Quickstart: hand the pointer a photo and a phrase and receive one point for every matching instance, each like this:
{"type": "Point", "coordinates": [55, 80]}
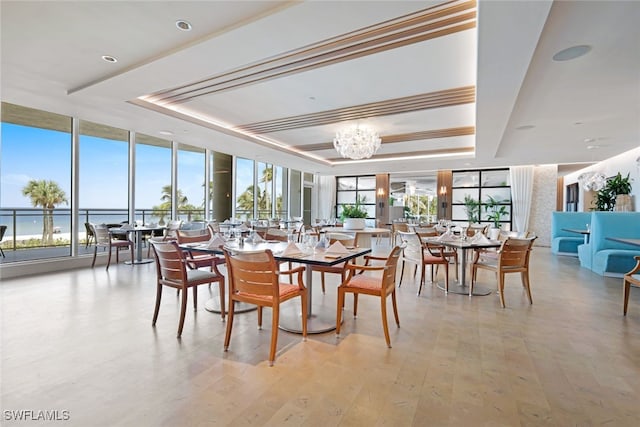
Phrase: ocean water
{"type": "Point", "coordinates": [30, 222]}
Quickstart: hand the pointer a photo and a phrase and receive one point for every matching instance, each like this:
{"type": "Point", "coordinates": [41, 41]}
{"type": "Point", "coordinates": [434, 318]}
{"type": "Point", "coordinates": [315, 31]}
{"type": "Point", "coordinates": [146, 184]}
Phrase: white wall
{"type": "Point", "coordinates": [624, 163]}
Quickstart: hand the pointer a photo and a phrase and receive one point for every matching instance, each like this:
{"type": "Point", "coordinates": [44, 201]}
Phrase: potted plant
{"type": "Point", "coordinates": [614, 195]}
{"type": "Point", "coordinates": [495, 211]}
{"type": "Point", "coordinates": [353, 216]}
{"type": "Point", "coordinates": [472, 209]}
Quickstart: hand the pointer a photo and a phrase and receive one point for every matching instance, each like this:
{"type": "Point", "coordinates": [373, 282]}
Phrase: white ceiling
{"type": "Point", "coordinates": [51, 60]}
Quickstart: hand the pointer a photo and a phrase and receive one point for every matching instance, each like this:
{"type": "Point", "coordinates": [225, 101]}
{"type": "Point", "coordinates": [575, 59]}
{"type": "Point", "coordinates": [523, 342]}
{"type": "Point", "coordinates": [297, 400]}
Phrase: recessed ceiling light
{"type": "Point", "coordinates": [592, 147]}
{"type": "Point", "coordinates": [109, 58]}
{"type": "Point", "coordinates": [183, 25]}
{"type": "Point", "coordinates": [525, 127]}
{"type": "Point", "coordinates": [589, 139]}
{"type": "Point", "coordinates": [165, 132]}
{"type": "Point", "coordinates": [572, 52]}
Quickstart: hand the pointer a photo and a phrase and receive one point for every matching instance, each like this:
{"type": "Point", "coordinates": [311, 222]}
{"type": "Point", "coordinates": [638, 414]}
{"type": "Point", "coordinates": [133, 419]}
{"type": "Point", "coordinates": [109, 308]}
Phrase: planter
{"type": "Point", "coordinates": [353, 223]}
{"type": "Point", "coordinates": [493, 233]}
{"type": "Point", "coordinates": [623, 203]}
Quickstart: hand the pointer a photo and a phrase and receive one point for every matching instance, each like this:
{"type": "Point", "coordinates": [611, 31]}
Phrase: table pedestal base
{"type": "Point", "coordinates": [139, 261]}
{"type": "Point", "coordinates": [464, 289]}
{"type": "Point", "coordinates": [213, 305]}
{"type": "Point", "coordinates": [316, 323]}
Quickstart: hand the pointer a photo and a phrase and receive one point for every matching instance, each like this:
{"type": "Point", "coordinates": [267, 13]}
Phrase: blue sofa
{"type": "Point", "coordinates": [606, 257]}
{"type": "Point", "coordinates": [566, 242]}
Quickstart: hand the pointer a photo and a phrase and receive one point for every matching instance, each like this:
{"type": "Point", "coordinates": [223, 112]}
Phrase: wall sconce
{"type": "Point", "coordinates": [443, 195]}
{"type": "Point", "coordinates": [381, 198]}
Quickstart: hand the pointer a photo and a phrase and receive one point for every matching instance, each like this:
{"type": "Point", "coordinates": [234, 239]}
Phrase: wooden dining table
{"type": "Point", "coordinates": [464, 246]}
{"type": "Point", "coordinates": [318, 321]}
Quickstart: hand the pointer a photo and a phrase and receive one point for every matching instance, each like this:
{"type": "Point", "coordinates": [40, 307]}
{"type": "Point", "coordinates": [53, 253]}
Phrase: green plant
{"type": "Point", "coordinates": [606, 197]}
{"type": "Point", "coordinates": [472, 209]}
{"type": "Point", "coordinates": [495, 210]}
{"type": "Point", "coordinates": [354, 211]}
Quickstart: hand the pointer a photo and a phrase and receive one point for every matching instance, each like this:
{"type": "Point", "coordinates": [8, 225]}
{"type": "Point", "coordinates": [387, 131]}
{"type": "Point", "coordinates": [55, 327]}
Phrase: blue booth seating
{"type": "Point", "coordinates": [606, 257]}
{"type": "Point", "coordinates": [566, 242]}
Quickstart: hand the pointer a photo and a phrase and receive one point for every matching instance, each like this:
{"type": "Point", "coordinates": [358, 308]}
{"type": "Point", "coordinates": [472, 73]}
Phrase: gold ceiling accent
{"type": "Point", "coordinates": [405, 137]}
{"type": "Point", "coordinates": [437, 21]}
{"type": "Point", "coordinates": [438, 152]}
{"type": "Point", "coordinates": [443, 98]}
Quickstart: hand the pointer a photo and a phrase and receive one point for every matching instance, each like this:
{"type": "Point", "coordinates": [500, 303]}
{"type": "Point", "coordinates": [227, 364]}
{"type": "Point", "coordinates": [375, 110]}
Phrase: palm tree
{"type": "Point", "coordinates": [264, 202]}
{"type": "Point", "coordinates": [47, 194]}
{"type": "Point", "coordinates": [161, 210]}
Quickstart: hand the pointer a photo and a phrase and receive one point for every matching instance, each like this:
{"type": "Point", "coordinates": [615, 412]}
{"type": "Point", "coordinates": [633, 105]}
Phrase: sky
{"type": "Point", "coordinates": [33, 153]}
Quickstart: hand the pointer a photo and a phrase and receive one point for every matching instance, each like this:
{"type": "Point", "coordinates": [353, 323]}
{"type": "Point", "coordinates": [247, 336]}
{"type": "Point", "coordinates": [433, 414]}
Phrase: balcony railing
{"type": "Point", "coordinates": [23, 237]}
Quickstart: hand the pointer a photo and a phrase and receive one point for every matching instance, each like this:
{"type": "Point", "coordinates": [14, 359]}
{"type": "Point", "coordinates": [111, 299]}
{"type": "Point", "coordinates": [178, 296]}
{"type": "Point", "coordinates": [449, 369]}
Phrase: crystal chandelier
{"type": "Point", "coordinates": [356, 142]}
{"type": "Point", "coordinates": [592, 181]}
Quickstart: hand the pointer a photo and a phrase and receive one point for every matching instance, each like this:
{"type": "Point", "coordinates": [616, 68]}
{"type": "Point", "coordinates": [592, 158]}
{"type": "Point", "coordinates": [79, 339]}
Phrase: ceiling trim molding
{"type": "Point", "coordinates": [430, 23]}
{"type": "Point", "coordinates": [405, 137]}
{"type": "Point", "coordinates": [407, 104]}
{"type": "Point", "coordinates": [441, 152]}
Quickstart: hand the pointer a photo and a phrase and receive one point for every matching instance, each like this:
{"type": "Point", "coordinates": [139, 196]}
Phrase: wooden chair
{"type": "Point", "coordinates": [370, 285]}
{"type": "Point", "coordinates": [254, 278]}
{"type": "Point", "coordinates": [398, 227]}
{"type": "Point", "coordinates": [346, 240]}
{"type": "Point", "coordinates": [171, 269]}
{"type": "Point", "coordinates": [421, 254]}
{"type": "Point", "coordinates": [512, 257]}
{"type": "Point", "coordinates": [3, 229]}
{"type": "Point", "coordinates": [632, 277]}
{"type": "Point", "coordinates": [104, 239]}
{"type": "Point", "coordinates": [90, 238]}
{"type": "Point", "coordinates": [198, 259]}
{"type": "Point", "coordinates": [169, 234]}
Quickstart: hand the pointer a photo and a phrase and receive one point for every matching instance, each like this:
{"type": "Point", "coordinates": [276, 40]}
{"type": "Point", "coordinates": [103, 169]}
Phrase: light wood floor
{"type": "Point", "coordinates": [82, 341]}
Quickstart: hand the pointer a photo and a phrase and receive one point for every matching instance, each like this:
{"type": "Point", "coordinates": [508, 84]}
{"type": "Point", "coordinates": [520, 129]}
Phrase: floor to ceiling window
{"type": "Point", "coordinates": [264, 190]}
{"type": "Point", "coordinates": [191, 183]}
{"type": "Point", "coordinates": [153, 179]}
{"type": "Point", "coordinates": [35, 180]}
{"type": "Point", "coordinates": [245, 188]}
{"type": "Point", "coordinates": [280, 191]}
{"type": "Point", "coordinates": [103, 174]}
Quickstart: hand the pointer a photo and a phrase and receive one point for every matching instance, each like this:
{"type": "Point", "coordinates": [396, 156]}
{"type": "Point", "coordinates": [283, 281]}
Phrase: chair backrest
{"type": "Point", "coordinates": [172, 227]}
{"type": "Point", "coordinates": [170, 265]}
{"type": "Point", "coordinates": [427, 231]}
{"type": "Point", "coordinates": [101, 232]}
{"type": "Point", "coordinates": [412, 251]}
{"type": "Point", "coordinates": [514, 252]}
{"type": "Point", "coordinates": [87, 228]}
{"type": "Point", "coordinates": [276, 234]}
{"type": "Point", "coordinates": [253, 272]}
{"type": "Point", "coordinates": [389, 274]}
{"type": "Point", "coordinates": [400, 227]}
{"type": "Point", "coordinates": [345, 239]}
{"type": "Point", "coordinates": [193, 236]}
{"type": "Point", "coordinates": [3, 229]}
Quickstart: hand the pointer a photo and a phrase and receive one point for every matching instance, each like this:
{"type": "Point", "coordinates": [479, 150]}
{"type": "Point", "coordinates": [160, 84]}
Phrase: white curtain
{"type": "Point", "coordinates": [521, 189]}
{"type": "Point", "coordinates": [326, 196]}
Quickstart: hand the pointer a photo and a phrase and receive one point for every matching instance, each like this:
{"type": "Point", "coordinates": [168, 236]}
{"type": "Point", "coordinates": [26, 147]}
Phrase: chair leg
{"type": "Point", "coordinates": [525, 282]}
{"type": "Point", "coordinates": [227, 335]}
{"type": "Point", "coordinates": [95, 253]}
{"type": "Point", "coordinates": [339, 310]}
{"type": "Point", "coordinates": [446, 278]}
{"type": "Point", "coordinates": [109, 258]}
{"type": "Point", "coordinates": [501, 288]}
{"type": "Point", "coordinates": [195, 298]}
{"type": "Point", "coordinates": [222, 308]}
{"type": "Point", "coordinates": [401, 274]}
{"type": "Point", "coordinates": [275, 319]}
{"type": "Point", "coordinates": [395, 307]}
{"type": "Point", "coordinates": [157, 309]}
{"type": "Point", "coordinates": [627, 289]}
{"type": "Point", "coordinates": [259, 317]}
{"type": "Point", "coordinates": [322, 280]}
{"type": "Point", "coordinates": [385, 326]}
{"type": "Point", "coordinates": [422, 279]}
{"type": "Point", "coordinates": [355, 304]}
{"type": "Point", "coordinates": [183, 311]}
